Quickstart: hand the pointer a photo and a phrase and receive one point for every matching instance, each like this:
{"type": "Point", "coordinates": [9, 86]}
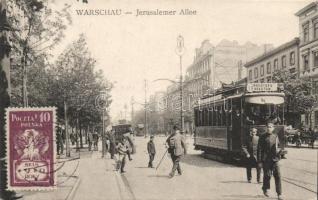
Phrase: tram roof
{"type": "Point", "coordinates": [218, 98]}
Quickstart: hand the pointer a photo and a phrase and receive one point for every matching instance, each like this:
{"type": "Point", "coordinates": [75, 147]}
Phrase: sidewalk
{"type": "Point", "coordinates": [100, 180]}
{"type": "Point", "coordinates": [67, 180]}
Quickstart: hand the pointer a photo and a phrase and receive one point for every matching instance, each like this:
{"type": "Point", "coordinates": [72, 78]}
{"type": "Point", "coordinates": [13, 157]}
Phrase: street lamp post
{"type": "Point", "coordinates": [101, 104]}
{"type": "Point", "coordinates": [180, 51]}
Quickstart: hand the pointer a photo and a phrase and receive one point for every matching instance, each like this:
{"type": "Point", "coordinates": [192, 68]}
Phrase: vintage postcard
{"type": "Point", "coordinates": [159, 99]}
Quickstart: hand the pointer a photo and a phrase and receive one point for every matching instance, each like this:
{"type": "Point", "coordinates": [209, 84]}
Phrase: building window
{"type": "Point", "coordinates": [283, 61]}
{"type": "Point", "coordinates": [306, 32]}
{"type": "Point", "coordinates": [315, 88]}
{"type": "Point", "coordinates": [292, 58]}
{"type": "Point", "coordinates": [316, 118]}
{"type": "Point", "coordinates": [256, 73]}
{"type": "Point", "coordinates": [306, 62]}
{"type": "Point", "coordinates": [269, 68]}
{"type": "Point", "coordinates": [262, 70]}
{"type": "Point", "coordinates": [315, 28]}
{"type": "Point", "coordinates": [275, 64]}
{"type": "Point", "coordinates": [250, 75]}
{"type": "Point", "coordinates": [315, 54]}
{"type": "Point", "coordinates": [292, 70]}
{"type": "Point", "coordinates": [262, 80]}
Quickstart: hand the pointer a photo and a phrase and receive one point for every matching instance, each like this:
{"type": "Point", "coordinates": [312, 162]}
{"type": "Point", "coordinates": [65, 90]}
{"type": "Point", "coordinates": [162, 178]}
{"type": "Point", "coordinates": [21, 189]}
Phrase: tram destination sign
{"type": "Point", "coordinates": [262, 87]}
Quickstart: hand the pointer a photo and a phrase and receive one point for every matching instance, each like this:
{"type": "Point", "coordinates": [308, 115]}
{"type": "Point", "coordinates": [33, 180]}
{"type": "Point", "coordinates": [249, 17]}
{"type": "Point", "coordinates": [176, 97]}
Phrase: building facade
{"type": "Point", "coordinates": [261, 69]}
{"type": "Point", "coordinates": [308, 49]}
{"type": "Point", "coordinates": [214, 65]}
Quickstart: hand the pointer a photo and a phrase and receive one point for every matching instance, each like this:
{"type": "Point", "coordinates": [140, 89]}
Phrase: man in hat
{"type": "Point", "coordinates": [250, 151]}
{"type": "Point", "coordinates": [176, 148]}
{"type": "Point", "coordinates": [269, 154]}
{"type": "Point", "coordinates": [151, 151]}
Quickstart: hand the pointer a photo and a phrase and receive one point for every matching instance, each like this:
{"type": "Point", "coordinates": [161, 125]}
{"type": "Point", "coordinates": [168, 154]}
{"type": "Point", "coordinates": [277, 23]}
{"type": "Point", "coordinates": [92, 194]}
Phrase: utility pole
{"type": "Point", "coordinates": [180, 51]}
{"type": "Point", "coordinates": [103, 134]}
{"type": "Point", "coordinates": [146, 120]}
{"type": "Point", "coordinates": [125, 107]}
{"type": "Point", "coordinates": [132, 101]}
{"type": "Point", "coordinates": [68, 152]}
{"type": "Point", "coordinates": [24, 77]}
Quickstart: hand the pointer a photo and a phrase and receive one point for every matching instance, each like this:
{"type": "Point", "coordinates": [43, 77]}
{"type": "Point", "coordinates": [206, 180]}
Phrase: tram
{"type": "Point", "coordinates": [223, 120]}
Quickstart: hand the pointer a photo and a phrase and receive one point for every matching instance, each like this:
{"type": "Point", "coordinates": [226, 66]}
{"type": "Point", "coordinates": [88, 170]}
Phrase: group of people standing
{"type": "Point", "coordinates": [263, 152]}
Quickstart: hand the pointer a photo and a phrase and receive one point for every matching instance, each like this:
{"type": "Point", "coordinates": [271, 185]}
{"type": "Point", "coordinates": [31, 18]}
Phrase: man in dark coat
{"type": "Point", "coordinates": [250, 151]}
{"type": "Point", "coordinates": [112, 144]}
{"type": "Point", "coordinates": [177, 147]}
{"type": "Point", "coordinates": [151, 151]}
{"type": "Point", "coordinates": [59, 141]}
{"type": "Point", "coordinates": [269, 154]}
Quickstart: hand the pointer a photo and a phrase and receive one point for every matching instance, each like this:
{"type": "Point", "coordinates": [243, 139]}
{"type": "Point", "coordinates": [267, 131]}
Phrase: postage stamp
{"type": "Point", "coordinates": [31, 148]}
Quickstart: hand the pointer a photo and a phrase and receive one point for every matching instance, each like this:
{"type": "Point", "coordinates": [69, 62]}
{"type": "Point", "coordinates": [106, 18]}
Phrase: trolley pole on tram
{"type": "Point", "coordinates": [180, 51]}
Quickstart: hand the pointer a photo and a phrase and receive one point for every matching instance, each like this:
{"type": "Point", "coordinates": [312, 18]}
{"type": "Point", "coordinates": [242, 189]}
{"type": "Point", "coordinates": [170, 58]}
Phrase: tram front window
{"type": "Point", "coordinates": [259, 114]}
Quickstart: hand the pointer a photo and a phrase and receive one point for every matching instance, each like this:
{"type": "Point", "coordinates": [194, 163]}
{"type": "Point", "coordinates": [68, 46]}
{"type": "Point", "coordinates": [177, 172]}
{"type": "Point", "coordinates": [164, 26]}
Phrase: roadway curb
{"type": "Point", "coordinates": [70, 196]}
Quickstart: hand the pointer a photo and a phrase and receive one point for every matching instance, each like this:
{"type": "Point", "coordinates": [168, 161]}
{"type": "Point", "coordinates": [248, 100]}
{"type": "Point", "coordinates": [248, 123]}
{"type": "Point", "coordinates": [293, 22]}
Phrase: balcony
{"type": "Point", "coordinates": [309, 72]}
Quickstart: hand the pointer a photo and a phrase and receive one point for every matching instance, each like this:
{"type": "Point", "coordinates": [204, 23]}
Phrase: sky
{"type": "Point", "coordinates": [130, 48]}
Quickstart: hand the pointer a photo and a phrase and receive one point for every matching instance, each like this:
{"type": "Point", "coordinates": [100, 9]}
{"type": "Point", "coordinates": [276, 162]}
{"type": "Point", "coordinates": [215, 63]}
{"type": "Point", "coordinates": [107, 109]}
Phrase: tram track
{"type": "Point", "coordinates": [291, 181]}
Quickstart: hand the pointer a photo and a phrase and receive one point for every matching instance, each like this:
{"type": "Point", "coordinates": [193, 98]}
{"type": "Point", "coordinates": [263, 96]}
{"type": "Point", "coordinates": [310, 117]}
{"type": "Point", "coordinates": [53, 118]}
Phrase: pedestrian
{"type": "Point", "coordinates": [59, 141]}
{"type": "Point", "coordinates": [112, 144]}
{"type": "Point", "coordinates": [95, 139]}
{"type": "Point", "coordinates": [72, 137]}
{"type": "Point", "coordinates": [269, 154]}
{"type": "Point", "coordinates": [250, 151]}
{"type": "Point", "coordinates": [122, 151]}
{"type": "Point", "coordinates": [151, 151]}
{"type": "Point", "coordinates": [90, 140]}
{"type": "Point", "coordinates": [176, 148]}
{"type": "Point", "coordinates": [129, 148]}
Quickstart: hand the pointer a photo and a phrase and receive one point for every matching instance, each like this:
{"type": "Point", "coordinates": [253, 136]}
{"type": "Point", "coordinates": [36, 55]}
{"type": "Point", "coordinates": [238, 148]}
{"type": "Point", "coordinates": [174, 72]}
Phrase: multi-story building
{"type": "Point", "coordinates": [214, 65]}
{"type": "Point", "coordinates": [308, 49]}
{"type": "Point", "coordinates": [157, 102]}
{"type": "Point", "coordinates": [262, 68]}
{"type": "Point", "coordinates": [173, 105]}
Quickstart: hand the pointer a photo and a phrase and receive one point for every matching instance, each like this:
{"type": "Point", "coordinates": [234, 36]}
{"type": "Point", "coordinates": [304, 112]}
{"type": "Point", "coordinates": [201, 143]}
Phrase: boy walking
{"type": "Point", "coordinates": [151, 151]}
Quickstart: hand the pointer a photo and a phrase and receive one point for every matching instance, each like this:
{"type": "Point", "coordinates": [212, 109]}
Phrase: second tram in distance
{"type": "Point", "coordinates": [223, 120]}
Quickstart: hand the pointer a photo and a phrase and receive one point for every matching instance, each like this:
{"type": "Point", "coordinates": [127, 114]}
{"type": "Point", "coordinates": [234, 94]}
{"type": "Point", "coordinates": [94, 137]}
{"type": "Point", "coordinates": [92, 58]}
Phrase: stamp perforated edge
{"type": "Point", "coordinates": [31, 188]}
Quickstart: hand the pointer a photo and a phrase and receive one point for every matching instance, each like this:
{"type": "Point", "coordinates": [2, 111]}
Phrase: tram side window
{"type": "Point", "coordinates": [223, 117]}
{"type": "Point", "coordinates": [230, 111]}
{"type": "Point", "coordinates": [196, 117]}
{"type": "Point", "coordinates": [210, 117]}
{"type": "Point", "coordinates": [219, 115]}
{"type": "Point", "coordinates": [204, 117]}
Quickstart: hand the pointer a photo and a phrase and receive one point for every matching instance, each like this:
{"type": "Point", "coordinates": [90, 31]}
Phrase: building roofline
{"type": "Point", "coordinates": [282, 47]}
{"type": "Point", "coordinates": [301, 11]}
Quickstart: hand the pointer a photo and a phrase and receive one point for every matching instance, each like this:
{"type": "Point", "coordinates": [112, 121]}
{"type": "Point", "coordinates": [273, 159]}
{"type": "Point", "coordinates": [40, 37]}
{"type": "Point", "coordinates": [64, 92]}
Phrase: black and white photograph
{"type": "Point", "coordinates": [154, 100]}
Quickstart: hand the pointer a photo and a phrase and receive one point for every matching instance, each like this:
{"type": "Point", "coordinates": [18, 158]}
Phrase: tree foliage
{"type": "Point", "coordinates": [297, 91]}
{"type": "Point", "coordinates": [37, 28]}
{"type": "Point", "coordinates": [75, 81]}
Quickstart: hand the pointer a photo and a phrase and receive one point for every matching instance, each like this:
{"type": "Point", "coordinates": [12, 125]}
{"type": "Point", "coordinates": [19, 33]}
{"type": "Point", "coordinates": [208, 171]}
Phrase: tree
{"type": "Point", "coordinates": [75, 82]}
{"type": "Point", "coordinates": [39, 31]}
{"type": "Point", "coordinates": [297, 93]}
